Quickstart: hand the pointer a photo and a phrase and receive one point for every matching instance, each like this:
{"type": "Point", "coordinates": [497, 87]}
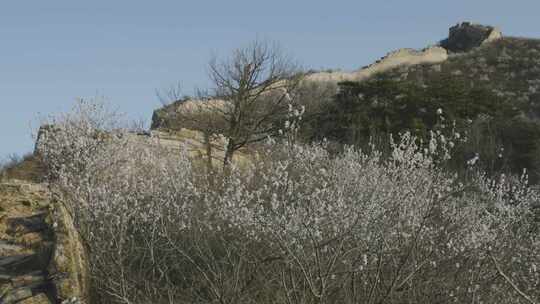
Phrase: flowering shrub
{"type": "Point", "coordinates": [298, 226]}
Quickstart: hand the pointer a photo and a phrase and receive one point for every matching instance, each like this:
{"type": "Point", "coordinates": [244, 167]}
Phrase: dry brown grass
{"type": "Point", "coordinates": [27, 168]}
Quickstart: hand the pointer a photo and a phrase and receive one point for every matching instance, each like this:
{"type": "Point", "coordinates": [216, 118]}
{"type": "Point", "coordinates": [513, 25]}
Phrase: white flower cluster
{"type": "Point", "coordinates": [298, 226]}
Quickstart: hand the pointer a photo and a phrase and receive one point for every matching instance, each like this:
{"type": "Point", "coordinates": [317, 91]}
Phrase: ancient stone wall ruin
{"type": "Point", "coordinates": [401, 57]}
{"type": "Point", "coordinates": [42, 260]}
{"type": "Point", "coordinates": [466, 36]}
{"type": "Point", "coordinates": [462, 37]}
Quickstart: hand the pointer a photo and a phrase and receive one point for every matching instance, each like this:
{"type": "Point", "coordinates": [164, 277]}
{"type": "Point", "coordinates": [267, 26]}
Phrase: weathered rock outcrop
{"type": "Point", "coordinates": [41, 257]}
{"type": "Point", "coordinates": [466, 36]}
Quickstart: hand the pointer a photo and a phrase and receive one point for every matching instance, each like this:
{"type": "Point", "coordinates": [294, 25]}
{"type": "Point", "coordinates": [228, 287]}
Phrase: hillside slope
{"type": "Point", "coordinates": [488, 89]}
{"type": "Point", "coordinates": [509, 67]}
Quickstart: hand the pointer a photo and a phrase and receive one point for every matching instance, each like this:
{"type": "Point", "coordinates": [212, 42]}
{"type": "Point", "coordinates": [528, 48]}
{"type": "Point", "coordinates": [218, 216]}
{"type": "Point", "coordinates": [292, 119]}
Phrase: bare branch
{"type": "Point", "coordinates": [256, 82]}
{"type": "Point", "coordinates": [509, 281]}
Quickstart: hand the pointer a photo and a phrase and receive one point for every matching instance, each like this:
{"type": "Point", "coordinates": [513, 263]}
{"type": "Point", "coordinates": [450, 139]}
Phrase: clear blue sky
{"type": "Point", "coordinates": [54, 51]}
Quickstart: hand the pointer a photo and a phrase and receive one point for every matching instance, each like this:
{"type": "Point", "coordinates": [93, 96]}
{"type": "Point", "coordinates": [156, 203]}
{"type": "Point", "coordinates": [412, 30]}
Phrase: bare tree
{"type": "Point", "coordinates": [252, 96]}
{"type": "Point", "coordinates": [195, 113]}
{"type": "Point", "coordinates": [256, 89]}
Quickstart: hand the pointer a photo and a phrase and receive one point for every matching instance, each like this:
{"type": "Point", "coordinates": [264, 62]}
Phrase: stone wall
{"type": "Point", "coordinates": [164, 118]}
{"type": "Point", "coordinates": [462, 37]}
{"type": "Point", "coordinates": [401, 57]}
{"type": "Point", "coordinates": [42, 260]}
{"type": "Point", "coordinates": [195, 144]}
{"type": "Point", "coordinates": [170, 116]}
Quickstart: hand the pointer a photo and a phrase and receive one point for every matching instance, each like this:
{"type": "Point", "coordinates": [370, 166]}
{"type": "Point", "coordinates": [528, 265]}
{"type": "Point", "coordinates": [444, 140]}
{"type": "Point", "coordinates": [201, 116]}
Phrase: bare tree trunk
{"type": "Point", "coordinates": [208, 146]}
{"type": "Point", "coordinates": [229, 152]}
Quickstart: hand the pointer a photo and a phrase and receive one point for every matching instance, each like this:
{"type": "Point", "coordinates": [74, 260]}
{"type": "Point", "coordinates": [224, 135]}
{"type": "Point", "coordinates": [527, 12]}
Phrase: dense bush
{"type": "Point", "coordinates": [365, 111]}
{"type": "Point", "coordinates": [299, 226]}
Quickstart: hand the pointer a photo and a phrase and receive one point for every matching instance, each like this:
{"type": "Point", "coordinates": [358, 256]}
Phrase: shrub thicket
{"type": "Point", "coordinates": [299, 226]}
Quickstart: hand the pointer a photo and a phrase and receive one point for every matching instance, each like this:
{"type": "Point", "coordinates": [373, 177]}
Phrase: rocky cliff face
{"type": "Point", "coordinates": [41, 256]}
